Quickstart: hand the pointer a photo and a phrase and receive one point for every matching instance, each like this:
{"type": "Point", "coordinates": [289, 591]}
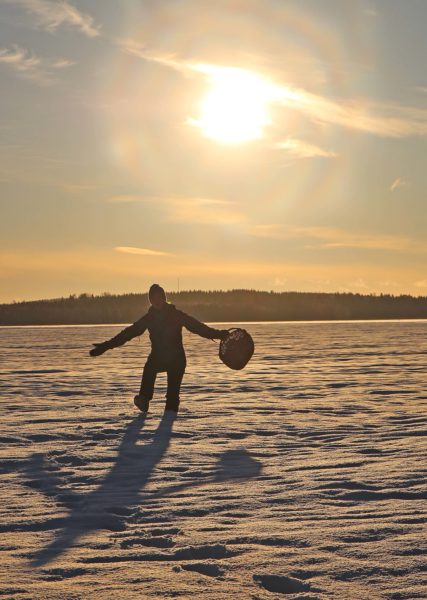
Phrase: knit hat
{"type": "Point", "coordinates": [156, 290]}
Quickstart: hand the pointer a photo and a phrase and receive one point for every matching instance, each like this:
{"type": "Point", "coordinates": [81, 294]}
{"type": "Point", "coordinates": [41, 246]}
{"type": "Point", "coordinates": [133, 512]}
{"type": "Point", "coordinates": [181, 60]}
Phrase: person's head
{"type": "Point", "coordinates": [157, 296]}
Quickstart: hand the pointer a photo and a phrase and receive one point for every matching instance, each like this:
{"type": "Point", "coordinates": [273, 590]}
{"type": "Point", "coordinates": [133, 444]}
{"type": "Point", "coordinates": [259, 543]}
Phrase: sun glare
{"type": "Point", "coordinates": [235, 110]}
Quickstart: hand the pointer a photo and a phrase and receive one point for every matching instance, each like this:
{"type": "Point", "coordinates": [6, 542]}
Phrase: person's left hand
{"type": "Point", "coordinates": [224, 333]}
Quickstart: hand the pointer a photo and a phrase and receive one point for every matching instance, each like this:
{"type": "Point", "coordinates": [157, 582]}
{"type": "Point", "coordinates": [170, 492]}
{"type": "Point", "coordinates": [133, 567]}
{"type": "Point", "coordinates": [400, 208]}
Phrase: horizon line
{"type": "Point", "coordinates": [223, 291]}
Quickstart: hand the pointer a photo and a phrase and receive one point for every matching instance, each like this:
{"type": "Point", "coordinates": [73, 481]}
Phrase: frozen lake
{"type": "Point", "coordinates": [302, 476]}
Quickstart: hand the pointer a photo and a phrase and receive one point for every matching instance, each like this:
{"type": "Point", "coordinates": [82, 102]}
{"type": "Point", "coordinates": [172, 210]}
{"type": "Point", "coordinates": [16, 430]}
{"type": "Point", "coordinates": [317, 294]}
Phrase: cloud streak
{"type": "Point", "coordinates": [301, 149]}
{"type": "Point", "coordinates": [29, 66]}
{"type": "Point", "coordinates": [139, 50]}
{"type": "Point", "coordinates": [397, 183]}
{"type": "Point", "coordinates": [51, 15]}
{"type": "Point", "coordinates": [141, 251]}
{"type": "Point", "coordinates": [334, 238]}
{"type": "Point", "coordinates": [217, 212]}
{"type": "Point", "coordinates": [383, 120]}
{"type": "Point", "coordinates": [200, 211]}
{"type": "Point", "coordinates": [204, 211]}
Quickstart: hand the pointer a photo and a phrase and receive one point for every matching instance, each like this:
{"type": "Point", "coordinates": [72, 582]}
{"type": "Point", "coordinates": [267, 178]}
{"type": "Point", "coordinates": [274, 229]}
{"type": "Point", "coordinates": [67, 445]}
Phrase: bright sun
{"type": "Point", "coordinates": [235, 110]}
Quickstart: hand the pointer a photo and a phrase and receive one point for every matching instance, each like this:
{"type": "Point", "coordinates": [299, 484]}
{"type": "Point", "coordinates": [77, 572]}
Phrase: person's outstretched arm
{"type": "Point", "coordinates": [201, 329]}
{"type": "Point", "coordinates": [121, 338]}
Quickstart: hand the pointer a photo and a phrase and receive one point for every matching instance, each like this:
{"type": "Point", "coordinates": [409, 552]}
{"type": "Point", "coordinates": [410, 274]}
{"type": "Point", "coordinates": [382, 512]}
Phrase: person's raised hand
{"type": "Point", "coordinates": [98, 349]}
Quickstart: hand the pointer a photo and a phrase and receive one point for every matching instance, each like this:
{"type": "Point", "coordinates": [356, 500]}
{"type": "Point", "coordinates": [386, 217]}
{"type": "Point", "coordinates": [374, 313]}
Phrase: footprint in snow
{"type": "Point", "coordinates": [280, 584]}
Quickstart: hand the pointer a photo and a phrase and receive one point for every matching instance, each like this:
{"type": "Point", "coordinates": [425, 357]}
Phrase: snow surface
{"type": "Point", "coordinates": [302, 476]}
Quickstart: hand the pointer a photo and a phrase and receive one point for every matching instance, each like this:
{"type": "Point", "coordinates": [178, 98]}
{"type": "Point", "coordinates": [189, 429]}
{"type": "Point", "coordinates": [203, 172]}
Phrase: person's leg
{"type": "Point", "coordinates": [175, 375]}
{"type": "Point", "coordinates": [142, 400]}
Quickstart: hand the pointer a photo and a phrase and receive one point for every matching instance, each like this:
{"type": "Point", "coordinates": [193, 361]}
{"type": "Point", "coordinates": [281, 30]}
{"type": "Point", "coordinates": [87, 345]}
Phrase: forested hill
{"type": "Point", "coordinates": [231, 306]}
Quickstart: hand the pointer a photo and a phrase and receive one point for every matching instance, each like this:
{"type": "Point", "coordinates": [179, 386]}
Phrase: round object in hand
{"type": "Point", "coordinates": [236, 349]}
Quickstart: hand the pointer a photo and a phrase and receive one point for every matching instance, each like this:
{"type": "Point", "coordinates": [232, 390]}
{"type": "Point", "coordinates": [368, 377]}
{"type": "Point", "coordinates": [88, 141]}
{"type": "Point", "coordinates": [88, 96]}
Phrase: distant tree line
{"type": "Point", "coordinates": [231, 306]}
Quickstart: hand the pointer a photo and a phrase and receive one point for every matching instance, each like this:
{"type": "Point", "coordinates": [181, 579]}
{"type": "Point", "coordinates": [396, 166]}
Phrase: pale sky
{"type": "Point", "coordinates": [276, 145]}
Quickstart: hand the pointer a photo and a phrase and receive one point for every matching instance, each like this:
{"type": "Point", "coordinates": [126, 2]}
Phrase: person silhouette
{"type": "Point", "coordinates": [164, 323]}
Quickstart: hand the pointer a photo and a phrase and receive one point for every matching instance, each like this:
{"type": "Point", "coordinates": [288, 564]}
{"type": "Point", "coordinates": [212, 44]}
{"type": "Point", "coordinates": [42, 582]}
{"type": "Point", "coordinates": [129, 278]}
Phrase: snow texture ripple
{"type": "Point", "coordinates": [302, 476]}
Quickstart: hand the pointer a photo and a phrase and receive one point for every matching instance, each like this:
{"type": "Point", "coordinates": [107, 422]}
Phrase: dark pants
{"type": "Point", "coordinates": [175, 372]}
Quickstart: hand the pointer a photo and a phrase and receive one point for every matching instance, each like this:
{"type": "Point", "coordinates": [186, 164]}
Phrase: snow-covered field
{"type": "Point", "coordinates": [302, 476]}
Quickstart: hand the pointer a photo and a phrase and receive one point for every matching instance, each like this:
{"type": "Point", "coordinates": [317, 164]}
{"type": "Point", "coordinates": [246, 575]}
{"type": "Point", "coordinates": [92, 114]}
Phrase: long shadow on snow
{"type": "Point", "coordinates": [122, 486]}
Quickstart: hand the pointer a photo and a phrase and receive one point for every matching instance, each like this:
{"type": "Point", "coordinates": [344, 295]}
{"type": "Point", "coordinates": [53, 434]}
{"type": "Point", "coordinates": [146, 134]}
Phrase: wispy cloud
{"type": "Point", "coordinates": [19, 59]}
{"type": "Point", "coordinates": [301, 149]}
{"type": "Point", "coordinates": [397, 183]}
{"type": "Point", "coordinates": [52, 14]}
{"type": "Point", "coordinates": [29, 66]}
{"type": "Point", "coordinates": [140, 50]}
{"type": "Point", "coordinates": [204, 211]}
{"type": "Point", "coordinates": [216, 212]}
{"type": "Point", "coordinates": [383, 120]}
{"type": "Point", "coordinates": [201, 211]}
{"type": "Point", "coordinates": [62, 63]}
{"type": "Point", "coordinates": [141, 251]}
{"type": "Point", "coordinates": [380, 119]}
{"type": "Point", "coordinates": [338, 238]}
{"type": "Point", "coordinates": [334, 238]}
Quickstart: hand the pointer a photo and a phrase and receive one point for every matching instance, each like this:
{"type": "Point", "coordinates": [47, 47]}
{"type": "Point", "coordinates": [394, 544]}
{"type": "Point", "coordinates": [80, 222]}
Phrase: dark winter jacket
{"type": "Point", "coordinates": [165, 329]}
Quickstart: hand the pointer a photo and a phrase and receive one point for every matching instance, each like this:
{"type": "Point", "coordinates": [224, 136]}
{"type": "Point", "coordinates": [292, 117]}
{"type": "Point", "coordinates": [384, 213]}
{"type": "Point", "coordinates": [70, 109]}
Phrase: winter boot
{"type": "Point", "coordinates": [142, 403]}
